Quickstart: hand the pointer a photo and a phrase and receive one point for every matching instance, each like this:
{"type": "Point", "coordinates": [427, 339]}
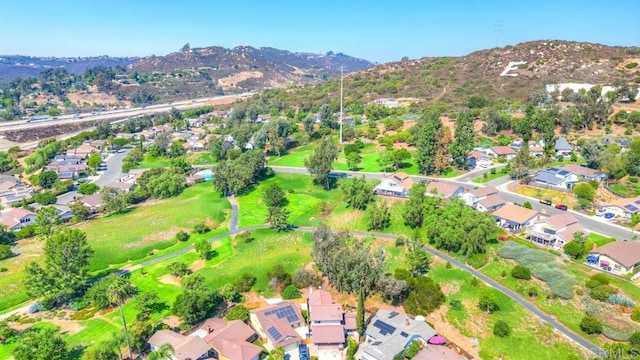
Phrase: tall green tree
{"type": "Point", "coordinates": [164, 352]}
{"type": "Point", "coordinates": [427, 140]}
{"type": "Point", "coordinates": [197, 302]}
{"type": "Point", "coordinates": [521, 162]}
{"type": "Point", "coordinates": [413, 210]}
{"type": "Point", "coordinates": [278, 217]}
{"type": "Point", "coordinates": [41, 344]}
{"type": "Point", "coordinates": [463, 140]}
{"type": "Point", "coordinates": [47, 221]}
{"type": "Point", "coordinates": [67, 255]}
{"type": "Point", "coordinates": [591, 151]}
{"type": "Point", "coordinates": [379, 216]}
{"type": "Point", "coordinates": [273, 196]}
{"type": "Point", "coordinates": [117, 291]}
{"type": "Point", "coordinates": [94, 161]}
{"type": "Point", "coordinates": [357, 192]}
{"type": "Point", "coordinates": [360, 312]}
{"type": "Point", "coordinates": [319, 164]}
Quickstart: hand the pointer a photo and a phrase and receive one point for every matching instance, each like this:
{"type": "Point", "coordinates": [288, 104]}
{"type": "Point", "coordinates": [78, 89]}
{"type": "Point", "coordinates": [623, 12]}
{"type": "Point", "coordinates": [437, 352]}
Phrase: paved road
{"type": "Point", "coordinates": [118, 114]}
{"type": "Point", "coordinates": [113, 173]}
{"type": "Point", "coordinates": [235, 230]}
{"type": "Point", "coordinates": [591, 223]}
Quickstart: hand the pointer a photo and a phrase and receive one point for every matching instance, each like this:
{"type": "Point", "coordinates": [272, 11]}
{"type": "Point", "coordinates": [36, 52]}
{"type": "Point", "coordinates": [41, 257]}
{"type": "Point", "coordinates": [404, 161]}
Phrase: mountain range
{"type": "Point", "coordinates": [14, 66]}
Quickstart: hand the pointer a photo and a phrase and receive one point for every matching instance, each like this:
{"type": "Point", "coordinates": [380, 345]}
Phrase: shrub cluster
{"type": "Point", "coordinates": [543, 266]}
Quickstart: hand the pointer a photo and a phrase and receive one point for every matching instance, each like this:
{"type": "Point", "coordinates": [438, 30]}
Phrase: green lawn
{"type": "Point", "coordinates": [150, 162]}
{"type": "Point", "coordinates": [12, 293]}
{"type": "Point", "coordinates": [305, 200]}
{"type": "Point", "coordinates": [294, 157]}
{"type": "Point", "coordinates": [598, 239]}
{"type": "Point", "coordinates": [289, 249]}
{"type": "Point", "coordinates": [129, 238]}
{"type": "Point", "coordinates": [626, 189]}
{"type": "Point", "coordinates": [117, 239]}
{"type": "Point", "coordinates": [529, 338]}
{"type": "Point", "coordinates": [490, 177]}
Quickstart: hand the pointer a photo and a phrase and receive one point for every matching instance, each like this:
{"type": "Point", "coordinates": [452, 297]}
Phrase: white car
{"type": "Point", "coordinates": [600, 212]}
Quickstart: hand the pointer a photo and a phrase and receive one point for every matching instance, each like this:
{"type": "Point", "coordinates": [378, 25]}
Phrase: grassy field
{"type": "Point", "coordinates": [153, 225]}
{"type": "Point", "coordinates": [346, 218]}
{"type": "Point", "coordinates": [626, 188]}
{"type": "Point", "coordinates": [490, 177]}
{"type": "Point", "coordinates": [291, 250]}
{"type": "Point", "coordinates": [557, 197]}
{"type": "Point", "coordinates": [12, 292]}
{"type": "Point", "coordinates": [200, 158]}
{"type": "Point", "coordinates": [599, 240]}
{"type": "Point", "coordinates": [150, 162]}
{"type": "Point", "coordinates": [529, 338]}
{"type": "Point", "coordinates": [295, 158]}
{"type": "Point", "coordinates": [305, 200]}
{"type": "Point", "coordinates": [569, 312]}
{"type": "Point", "coordinates": [144, 231]}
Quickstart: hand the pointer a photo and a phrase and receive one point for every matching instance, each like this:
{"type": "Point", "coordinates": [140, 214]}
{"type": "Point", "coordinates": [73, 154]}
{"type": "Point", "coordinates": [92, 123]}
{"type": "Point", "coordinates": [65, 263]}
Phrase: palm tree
{"type": "Point", "coordinates": [163, 353]}
{"type": "Point", "coordinates": [118, 290]}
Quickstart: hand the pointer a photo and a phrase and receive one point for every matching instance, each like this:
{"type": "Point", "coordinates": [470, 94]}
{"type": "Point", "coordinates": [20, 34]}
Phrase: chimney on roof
{"type": "Point", "coordinates": [538, 217]}
{"type": "Point", "coordinates": [406, 322]}
{"type": "Point", "coordinates": [209, 329]}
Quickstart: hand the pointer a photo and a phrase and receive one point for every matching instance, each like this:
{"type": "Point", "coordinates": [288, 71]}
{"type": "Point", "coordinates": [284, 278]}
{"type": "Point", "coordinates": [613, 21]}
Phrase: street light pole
{"type": "Point", "coordinates": [341, 93]}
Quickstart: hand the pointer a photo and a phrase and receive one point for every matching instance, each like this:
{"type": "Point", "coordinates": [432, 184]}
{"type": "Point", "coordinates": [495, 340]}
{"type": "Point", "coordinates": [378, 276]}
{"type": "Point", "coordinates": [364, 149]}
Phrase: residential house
{"type": "Point", "coordinates": [64, 211]}
{"type": "Point", "coordinates": [536, 150]}
{"type": "Point", "coordinates": [184, 347]}
{"type": "Point", "coordinates": [618, 257]}
{"type": "Point", "coordinates": [443, 189]}
{"type": "Point", "coordinates": [471, 197]}
{"type": "Point", "coordinates": [556, 230]}
{"type": "Point", "coordinates": [83, 150]}
{"type": "Point", "coordinates": [584, 173]}
{"type": "Point", "coordinates": [66, 159]}
{"type": "Point", "coordinates": [397, 184]}
{"type": "Point", "coordinates": [390, 332]}
{"type": "Point", "coordinates": [13, 191]}
{"type": "Point", "coordinates": [195, 179]}
{"type": "Point", "coordinates": [93, 202]}
{"type": "Point", "coordinates": [556, 177]}
{"type": "Point", "coordinates": [97, 144]}
{"type": "Point", "coordinates": [388, 102]}
{"type": "Point", "coordinates": [514, 217]}
{"type": "Point", "coordinates": [15, 219]}
{"type": "Point", "coordinates": [195, 122]}
{"type": "Point", "coordinates": [126, 186]}
{"type": "Point", "coordinates": [66, 172]}
{"type": "Point", "coordinates": [563, 147]}
{"type": "Point", "coordinates": [501, 152]}
{"type": "Point", "coordinates": [479, 160]}
{"type": "Point", "coordinates": [623, 207]}
{"type": "Point", "coordinates": [326, 320]}
{"type": "Point", "coordinates": [490, 203]}
{"type": "Point", "coordinates": [276, 324]}
{"type": "Point", "coordinates": [230, 340]}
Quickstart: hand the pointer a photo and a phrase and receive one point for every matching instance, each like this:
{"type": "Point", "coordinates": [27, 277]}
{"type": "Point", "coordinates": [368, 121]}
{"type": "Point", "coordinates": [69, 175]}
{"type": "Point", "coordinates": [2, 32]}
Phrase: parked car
{"type": "Point", "coordinates": [600, 212]}
{"type": "Point", "coordinates": [562, 207]}
{"type": "Point", "coordinates": [609, 215]}
{"type": "Point", "coordinates": [545, 201]}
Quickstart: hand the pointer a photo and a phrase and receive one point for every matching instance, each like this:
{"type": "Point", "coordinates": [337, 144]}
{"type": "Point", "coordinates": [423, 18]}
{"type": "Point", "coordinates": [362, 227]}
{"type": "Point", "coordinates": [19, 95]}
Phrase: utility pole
{"type": "Point", "coordinates": [341, 89]}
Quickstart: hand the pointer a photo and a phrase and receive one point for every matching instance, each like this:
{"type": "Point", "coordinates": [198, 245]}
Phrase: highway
{"type": "Point", "coordinates": [591, 223]}
{"type": "Point", "coordinates": [116, 114]}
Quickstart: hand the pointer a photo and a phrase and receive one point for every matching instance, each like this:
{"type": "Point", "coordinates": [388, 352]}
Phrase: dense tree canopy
{"type": "Point", "coordinates": [67, 255]}
{"type": "Point", "coordinates": [319, 164]}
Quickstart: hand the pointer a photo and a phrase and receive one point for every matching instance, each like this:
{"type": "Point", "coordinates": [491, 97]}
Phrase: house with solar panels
{"type": "Point", "coordinates": [276, 326]}
{"type": "Point", "coordinates": [557, 177]}
{"type": "Point", "coordinates": [623, 208]}
{"type": "Point", "coordinates": [390, 332]}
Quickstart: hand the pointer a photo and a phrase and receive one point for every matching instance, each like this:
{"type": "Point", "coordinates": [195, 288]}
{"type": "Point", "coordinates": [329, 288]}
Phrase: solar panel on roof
{"type": "Point", "coordinates": [384, 327]}
{"type": "Point", "coordinates": [393, 314]}
{"type": "Point", "coordinates": [275, 334]}
{"type": "Point", "coordinates": [637, 202]}
{"type": "Point", "coordinates": [404, 334]}
{"type": "Point", "coordinates": [631, 208]}
{"type": "Point", "coordinates": [377, 343]}
{"type": "Point", "coordinates": [563, 172]}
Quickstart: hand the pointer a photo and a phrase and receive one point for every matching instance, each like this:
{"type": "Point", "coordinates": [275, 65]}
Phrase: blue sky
{"type": "Point", "coordinates": [376, 30]}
